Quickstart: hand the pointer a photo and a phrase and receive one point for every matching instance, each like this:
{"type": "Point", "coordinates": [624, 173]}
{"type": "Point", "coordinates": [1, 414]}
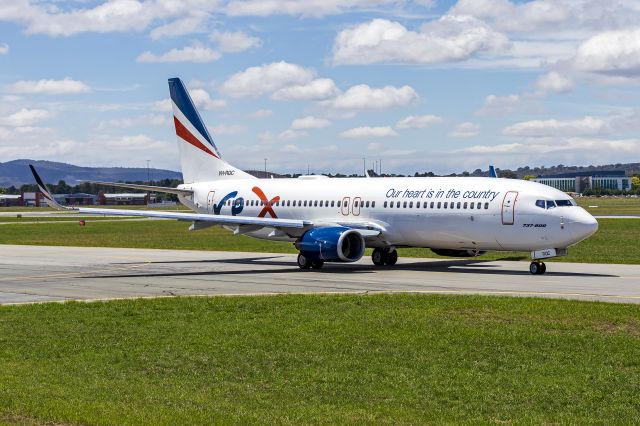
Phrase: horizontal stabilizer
{"type": "Point", "coordinates": [150, 188]}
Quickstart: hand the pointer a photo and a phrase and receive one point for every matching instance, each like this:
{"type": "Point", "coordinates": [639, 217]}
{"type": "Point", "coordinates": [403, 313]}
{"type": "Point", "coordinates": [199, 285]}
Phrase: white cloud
{"type": "Point", "coordinates": [363, 97]}
{"type": "Point", "coordinates": [233, 42]}
{"type": "Point", "coordinates": [307, 8]}
{"type": "Point", "coordinates": [25, 117]}
{"type": "Point", "coordinates": [450, 38]}
{"type": "Point", "coordinates": [4, 48]}
{"type": "Point", "coordinates": [546, 128]}
{"type": "Point", "coordinates": [615, 53]}
{"type": "Point", "coordinates": [66, 86]}
{"type": "Point", "coordinates": [197, 54]}
{"type": "Point", "coordinates": [261, 113]}
{"type": "Point", "coordinates": [369, 132]}
{"type": "Point", "coordinates": [316, 90]}
{"type": "Point", "coordinates": [109, 16]}
{"type": "Point", "coordinates": [142, 120]}
{"type": "Point", "coordinates": [504, 105]}
{"type": "Point", "coordinates": [554, 82]}
{"type": "Point", "coordinates": [290, 134]}
{"type": "Point", "coordinates": [309, 122]}
{"type": "Point", "coordinates": [200, 97]}
{"type": "Point", "coordinates": [465, 130]}
{"type": "Point", "coordinates": [418, 122]}
{"type": "Point", "coordinates": [203, 100]}
{"type": "Point", "coordinates": [228, 129]}
{"type": "Point", "coordinates": [256, 81]}
{"type": "Point", "coordinates": [179, 27]}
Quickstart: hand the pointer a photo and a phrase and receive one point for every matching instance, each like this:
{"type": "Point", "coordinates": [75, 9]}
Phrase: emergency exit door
{"type": "Point", "coordinates": [508, 208]}
{"type": "Point", "coordinates": [210, 197]}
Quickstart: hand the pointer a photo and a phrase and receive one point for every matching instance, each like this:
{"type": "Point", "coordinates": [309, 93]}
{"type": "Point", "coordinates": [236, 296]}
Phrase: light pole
{"type": "Point", "coordinates": [265, 167]}
{"type": "Point", "coordinates": [364, 166]}
{"type": "Point", "coordinates": [148, 173]}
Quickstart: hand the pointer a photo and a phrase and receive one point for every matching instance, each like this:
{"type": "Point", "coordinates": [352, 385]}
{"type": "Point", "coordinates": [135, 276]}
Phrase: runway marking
{"type": "Point", "coordinates": [74, 274]}
{"type": "Point", "coordinates": [361, 292]}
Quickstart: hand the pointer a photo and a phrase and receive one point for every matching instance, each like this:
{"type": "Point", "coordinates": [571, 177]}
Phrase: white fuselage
{"type": "Point", "coordinates": [441, 212]}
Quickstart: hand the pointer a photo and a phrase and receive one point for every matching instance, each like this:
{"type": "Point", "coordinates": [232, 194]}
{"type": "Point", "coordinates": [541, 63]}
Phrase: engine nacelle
{"type": "Point", "coordinates": [332, 244]}
{"type": "Point", "coordinates": [458, 253]}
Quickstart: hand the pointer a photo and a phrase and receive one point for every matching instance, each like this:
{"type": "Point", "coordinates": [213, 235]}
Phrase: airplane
{"type": "Point", "coordinates": [336, 219]}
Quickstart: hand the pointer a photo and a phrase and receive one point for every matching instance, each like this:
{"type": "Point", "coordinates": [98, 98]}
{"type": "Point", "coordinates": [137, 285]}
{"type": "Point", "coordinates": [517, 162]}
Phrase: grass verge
{"type": "Point", "coordinates": [390, 359]}
{"type": "Point", "coordinates": [610, 206]}
{"type": "Point", "coordinates": [615, 242]}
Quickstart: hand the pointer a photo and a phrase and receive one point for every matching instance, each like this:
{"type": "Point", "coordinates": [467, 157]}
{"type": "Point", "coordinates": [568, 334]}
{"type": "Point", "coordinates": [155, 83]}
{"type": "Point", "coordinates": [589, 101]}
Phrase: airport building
{"type": "Point", "coordinates": [9, 200]}
{"type": "Point", "coordinates": [139, 199]}
{"type": "Point", "coordinates": [581, 181]}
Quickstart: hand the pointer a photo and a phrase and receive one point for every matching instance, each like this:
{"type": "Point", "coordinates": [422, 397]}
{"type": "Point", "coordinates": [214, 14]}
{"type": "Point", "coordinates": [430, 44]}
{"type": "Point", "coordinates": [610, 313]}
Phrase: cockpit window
{"type": "Point", "coordinates": [564, 203]}
{"type": "Point", "coordinates": [540, 203]}
{"type": "Point", "coordinates": [551, 204]}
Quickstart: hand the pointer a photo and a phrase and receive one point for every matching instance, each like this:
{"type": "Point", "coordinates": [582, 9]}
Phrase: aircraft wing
{"type": "Point", "coordinates": [201, 217]}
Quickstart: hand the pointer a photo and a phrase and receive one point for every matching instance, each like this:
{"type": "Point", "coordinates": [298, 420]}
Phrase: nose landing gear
{"type": "Point", "coordinates": [386, 256]}
{"type": "Point", "coordinates": [537, 267]}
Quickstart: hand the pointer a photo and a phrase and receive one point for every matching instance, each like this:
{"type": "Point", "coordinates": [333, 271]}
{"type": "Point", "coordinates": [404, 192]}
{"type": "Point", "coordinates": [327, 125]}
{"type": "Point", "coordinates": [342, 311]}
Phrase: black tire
{"type": "Point", "coordinates": [317, 264]}
{"type": "Point", "coordinates": [543, 268]}
{"type": "Point", "coordinates": [392, 258]}
{"type": "Point", "coordinates": [303, 262]}
{"type": "Point", "coordinates": [535, 268]}
{"type": "Point", "coordinates": [378, 257]}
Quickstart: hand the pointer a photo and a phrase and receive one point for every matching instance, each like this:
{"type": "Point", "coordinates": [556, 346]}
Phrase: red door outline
{"type": "Point", "coordinates": [345, 206]}
{"type": "Point", "coordinates": [509, 207]}
{"type": "Point", "coordinates": [355, 208]}
{"type": "Point", "coordinates": [210, 196]}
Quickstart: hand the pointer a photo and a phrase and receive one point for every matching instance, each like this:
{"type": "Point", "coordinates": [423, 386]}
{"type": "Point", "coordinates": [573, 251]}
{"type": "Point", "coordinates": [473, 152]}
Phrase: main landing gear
{"type": "Point", "coordinates": [537, 267]}
{"type": "Point", "coordinates": [385, 256]}
{"type": "Point", "coordinates": [304, 263]}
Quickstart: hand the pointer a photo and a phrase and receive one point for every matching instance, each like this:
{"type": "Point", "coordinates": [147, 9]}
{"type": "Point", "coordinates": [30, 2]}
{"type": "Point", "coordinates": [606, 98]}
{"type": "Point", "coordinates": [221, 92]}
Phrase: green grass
{"type": "Point", "coordinates": [68, 218]}
{"type": "Point", "coordinates": [384, 359]}
{"type": "Point", "coordinates": [610, 206]}
{"type": "Point", "coordinates": [615, 242]}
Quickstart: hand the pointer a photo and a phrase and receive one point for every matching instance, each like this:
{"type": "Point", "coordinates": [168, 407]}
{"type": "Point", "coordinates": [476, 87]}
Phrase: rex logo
{"type": "Point", "coordinates": [236, 206]}
{"type": "Point", "coordinates": [268, 204]}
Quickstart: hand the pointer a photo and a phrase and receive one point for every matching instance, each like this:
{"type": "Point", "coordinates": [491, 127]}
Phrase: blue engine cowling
{"type": "Point", "coordinates": [332, 244]}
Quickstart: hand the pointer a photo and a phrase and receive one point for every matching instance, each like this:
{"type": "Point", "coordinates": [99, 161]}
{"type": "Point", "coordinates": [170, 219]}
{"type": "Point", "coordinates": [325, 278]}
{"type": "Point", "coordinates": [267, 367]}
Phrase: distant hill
{"type": "Point", "coordinates": [16, 173]}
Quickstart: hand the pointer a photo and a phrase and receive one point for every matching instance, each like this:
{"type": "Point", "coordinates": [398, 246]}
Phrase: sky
{"type": "Point", "coordinates": [418, 85]}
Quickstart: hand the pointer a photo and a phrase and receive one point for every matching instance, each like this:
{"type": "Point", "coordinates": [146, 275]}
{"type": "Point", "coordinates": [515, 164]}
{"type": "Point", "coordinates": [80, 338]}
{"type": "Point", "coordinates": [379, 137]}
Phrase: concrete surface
{"type": "Point", "coordinates": [36, 274]}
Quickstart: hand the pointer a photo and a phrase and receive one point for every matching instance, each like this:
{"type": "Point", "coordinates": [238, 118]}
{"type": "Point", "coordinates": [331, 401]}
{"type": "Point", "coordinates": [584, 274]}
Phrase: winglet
{"type": "Point", "coordinates": [48, 197]}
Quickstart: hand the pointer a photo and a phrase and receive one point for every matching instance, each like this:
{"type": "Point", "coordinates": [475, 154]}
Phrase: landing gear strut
{"type": "Point", "coordinates": [384, 256]}
{"type": "Point", "coordinates": [537, 268]}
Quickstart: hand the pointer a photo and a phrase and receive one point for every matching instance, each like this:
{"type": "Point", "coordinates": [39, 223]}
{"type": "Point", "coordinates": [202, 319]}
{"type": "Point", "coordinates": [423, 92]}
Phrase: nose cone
{"type": "Point", "coordinates": [582, 225]}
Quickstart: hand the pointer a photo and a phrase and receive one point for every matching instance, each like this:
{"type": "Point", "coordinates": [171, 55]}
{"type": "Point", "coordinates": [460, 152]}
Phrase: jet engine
{"type": "Point", "coordinates": [331, 244]}
{"type": "Point", "coordinates": [458, 253]}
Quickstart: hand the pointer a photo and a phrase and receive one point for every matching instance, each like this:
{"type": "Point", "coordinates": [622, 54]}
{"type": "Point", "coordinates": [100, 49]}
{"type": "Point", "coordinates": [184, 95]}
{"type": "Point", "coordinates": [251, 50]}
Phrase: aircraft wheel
{"type": "Point", "coordinates": [392, 258]}
{"type": "Point", "coordinates": [537, 268]}
{"type": "Point", "coordinates": [303, 262]}
{"type": "Point", "coordinates": [378, 257]}
{"type": "Point", "coordinates": [317, 264]}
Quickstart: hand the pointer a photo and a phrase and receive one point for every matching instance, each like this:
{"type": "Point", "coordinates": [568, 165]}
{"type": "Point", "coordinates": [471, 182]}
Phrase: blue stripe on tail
{"type": "Point", "coordinates": [181, 98]}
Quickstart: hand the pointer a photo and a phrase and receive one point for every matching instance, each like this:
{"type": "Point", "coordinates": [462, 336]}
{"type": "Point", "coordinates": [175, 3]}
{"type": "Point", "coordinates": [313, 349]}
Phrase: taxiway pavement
{"type": "Point", "coordinates": [37, 274]}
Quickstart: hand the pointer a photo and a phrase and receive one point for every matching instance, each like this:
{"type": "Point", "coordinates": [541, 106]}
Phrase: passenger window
{"type": "Point", "coordinates": [404, 205]}
{"type": "Point", "coordinates": [411, 204]}
{"type": "Point", "coordinates": [486, 206]}
{"type": "Point", "coordinates": [366, 204]}
{"type": "Point", "coordinates": [439, 204]}
{"type": "Point", "coordinates": [305, 203]}
{"type": "Point", "coordinates": [458, 206]}
{"type": "Point", "coordinates": [333, 202]}
{"type": "Point", "coordinates": [471, 205]}
{"type": "Point", "coordinates": [373, 204]}
{"type": "Point", "coordinates": [464, 206]}
{"type": "Point", "coordinates": [540, 203]}
{"type": "Point", "coordinates": [315, 203]}
{"type": "Point", "coordinates": [339, 201]}
{"type": "Point", "coordinates": [385, 205]}
{"type": "Point", "coordinates": [326, 203]}
{"type": "Point", "coordinates": [320, 203]}
{"type": "Point", "coordinates": [432, 204]}
{"type": "Point", "coordinates": [391, 205]}
{"type": "Point", "coordinates": [444, 205]}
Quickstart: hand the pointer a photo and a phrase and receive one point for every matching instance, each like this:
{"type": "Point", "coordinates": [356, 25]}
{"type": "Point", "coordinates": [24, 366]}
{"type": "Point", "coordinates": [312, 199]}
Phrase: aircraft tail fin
{"type": "Point", "coordinates": [199, 156]}
{"type": "Point", "coordinates": [492, 172]}
{"type": "Point", "coordinates": [46, 193]}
